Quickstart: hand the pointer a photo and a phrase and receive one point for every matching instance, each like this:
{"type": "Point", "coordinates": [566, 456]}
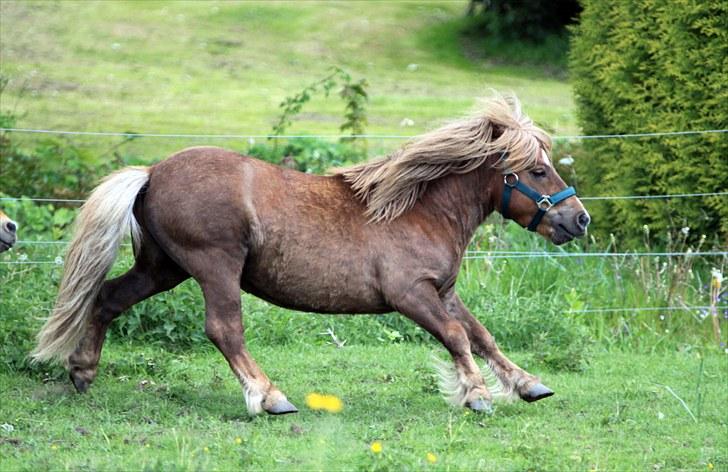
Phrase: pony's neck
{"type": "Point", "coordinates": [463, 201]}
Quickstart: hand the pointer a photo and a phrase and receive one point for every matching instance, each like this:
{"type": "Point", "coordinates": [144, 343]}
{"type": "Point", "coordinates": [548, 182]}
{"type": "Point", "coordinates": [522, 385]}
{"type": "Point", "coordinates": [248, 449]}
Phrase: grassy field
{"type": "Point", "coordinates": [154, 410]}
{"type": "Point", "coordinates": [166, 400]}
{"type": "Point", "coordinates": [634, 392]}
{"type": "Point", "coordinates": [223, 67]}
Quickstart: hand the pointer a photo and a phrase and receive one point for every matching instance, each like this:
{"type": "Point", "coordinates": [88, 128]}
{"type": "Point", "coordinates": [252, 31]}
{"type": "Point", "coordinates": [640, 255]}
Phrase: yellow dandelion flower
{"type": "Point", "coordinates": [431, 458]}
{"type": "Point", "coordinates": [376, 447]}
{"type": "Point", "coordinates": [314, 401]}
{"type": "Point", "coordinates": [332, 404]}
{"type": "Point", "coordinates": [54, 446]}
{"type": "Point", "coordinates": [206, 449]}
{"type": "Point", "coordinates": [238, 440]}
{"type": "Point", "coordinates": [710, 466]}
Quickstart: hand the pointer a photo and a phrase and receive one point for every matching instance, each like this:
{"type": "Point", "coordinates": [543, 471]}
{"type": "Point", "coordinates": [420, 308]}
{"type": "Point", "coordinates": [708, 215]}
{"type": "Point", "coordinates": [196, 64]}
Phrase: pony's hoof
{"type": "Point", "coordinates": [282, 407]}
{"type": "Point", "coordinates": [537, 392]}
{"type": "Point", "coordinates": [481, 406]}
{"type": "Point", "coordinates": [80, 385]}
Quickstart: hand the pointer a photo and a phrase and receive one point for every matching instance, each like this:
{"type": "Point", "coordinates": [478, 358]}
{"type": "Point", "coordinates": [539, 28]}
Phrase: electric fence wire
{"type": "Point", "coordinates": [338, 136]}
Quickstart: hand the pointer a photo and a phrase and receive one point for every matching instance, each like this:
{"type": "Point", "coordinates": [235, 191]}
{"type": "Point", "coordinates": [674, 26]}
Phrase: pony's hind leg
{"type": "Point", "coordinates": [220, 282]}
{"type": "Point", "coordinates": [152, 273]}
{"type": "Point", "coordinates": [463, 386]}
{"type": "Point", "coordinates": [513, 378]}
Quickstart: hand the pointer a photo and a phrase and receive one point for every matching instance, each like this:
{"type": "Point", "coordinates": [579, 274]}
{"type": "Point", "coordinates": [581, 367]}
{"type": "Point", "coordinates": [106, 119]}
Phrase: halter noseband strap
{"type": "Point", "coordinates": [543, 202]}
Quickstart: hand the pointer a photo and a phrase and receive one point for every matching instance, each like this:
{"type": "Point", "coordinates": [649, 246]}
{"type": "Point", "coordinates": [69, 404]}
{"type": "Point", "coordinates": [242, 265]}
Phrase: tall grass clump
{"type": "Point", "coordinates": [572, 290]}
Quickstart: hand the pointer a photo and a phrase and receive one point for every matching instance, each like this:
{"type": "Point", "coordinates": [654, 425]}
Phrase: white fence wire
{"type": "Point", "coordinates": [339, 136]}
{"type": "Point", "coordinates": [612, 197]}
{"type": "Point", "coordinates": [645, 309]}
{"type": "Point", "coordinates": [469, 255]}
{"type": "Point", "coordinates": [501, 254]}
{"type": "Point", "coordinates": [530, 255]}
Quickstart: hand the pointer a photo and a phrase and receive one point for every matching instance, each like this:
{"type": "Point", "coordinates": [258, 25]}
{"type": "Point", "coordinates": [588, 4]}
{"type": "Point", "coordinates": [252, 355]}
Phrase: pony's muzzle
{"type": "Point", "coordinates": [8, 229]}
{"type": "Point", "coordinates": [568, 224]}
{"type": "Point", "coordinates": [582, 220]}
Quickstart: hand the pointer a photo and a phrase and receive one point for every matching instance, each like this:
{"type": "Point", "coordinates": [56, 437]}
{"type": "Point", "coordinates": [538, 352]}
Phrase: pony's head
{"type": "Point", "coordinates": [537, 198]}
{"type": "Point", "coordinates": [531, 192]}
{"type": "Point", "coordinates": [7, 232]}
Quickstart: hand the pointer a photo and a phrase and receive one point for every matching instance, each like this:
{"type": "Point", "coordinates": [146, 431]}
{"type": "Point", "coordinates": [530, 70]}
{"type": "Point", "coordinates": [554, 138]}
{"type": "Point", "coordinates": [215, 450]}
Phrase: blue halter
{"type": "Point", "coordinates": [543, 202]}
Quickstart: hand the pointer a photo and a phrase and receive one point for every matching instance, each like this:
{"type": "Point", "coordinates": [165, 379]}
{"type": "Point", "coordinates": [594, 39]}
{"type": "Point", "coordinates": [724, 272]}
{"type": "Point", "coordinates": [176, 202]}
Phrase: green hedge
{"type": "Point", "coordinates": [648, 66]}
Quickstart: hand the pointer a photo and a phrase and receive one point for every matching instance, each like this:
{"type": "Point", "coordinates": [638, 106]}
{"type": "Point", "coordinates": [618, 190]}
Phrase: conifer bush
{"type": "Point", "coordinates": [648, 66]}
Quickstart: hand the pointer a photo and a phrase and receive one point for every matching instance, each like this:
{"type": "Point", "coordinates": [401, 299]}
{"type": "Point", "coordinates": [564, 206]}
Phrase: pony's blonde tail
{"type": "Point", "coordinates": [100, 227]}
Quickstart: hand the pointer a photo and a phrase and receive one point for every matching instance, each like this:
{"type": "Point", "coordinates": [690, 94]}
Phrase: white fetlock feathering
{"type": "Point", "coordinates": [253, 394]}
{"type": "Point", "coordinates": [455, 389]}
{"type": "Point", "coordinates": [449, 383]}
{"type": "Point", "coordinates": [502, 391]}
{"type": "Point", "coordinates": [253, 399]}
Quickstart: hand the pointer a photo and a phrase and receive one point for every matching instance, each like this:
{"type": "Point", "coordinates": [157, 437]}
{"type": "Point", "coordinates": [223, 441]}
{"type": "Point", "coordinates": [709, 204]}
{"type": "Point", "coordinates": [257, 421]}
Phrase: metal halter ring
{"type": "Point", "coordinates": [515, 182]}
{"type": "Point", "coordinates": [545, 203]}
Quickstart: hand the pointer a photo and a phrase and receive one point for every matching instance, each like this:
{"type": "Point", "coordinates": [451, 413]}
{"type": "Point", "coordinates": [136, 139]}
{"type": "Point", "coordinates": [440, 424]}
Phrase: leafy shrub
{"type": "Point", "coordinates": [52, 169]}
{"type": "Point", "coordinates": [308, 154]}
{"type": "Point", "coordinates": [353, 94]}
{"type": "Point", "coordinates": [532, 20]}
{"type": "Point", "coordinates": [645, 67]}
{"type": "Point", "coordinates": [175, 319]}
{"type": "Point", "coordinates": [27, 292]}
{"type": "Point", "coordinates": [315, 155]}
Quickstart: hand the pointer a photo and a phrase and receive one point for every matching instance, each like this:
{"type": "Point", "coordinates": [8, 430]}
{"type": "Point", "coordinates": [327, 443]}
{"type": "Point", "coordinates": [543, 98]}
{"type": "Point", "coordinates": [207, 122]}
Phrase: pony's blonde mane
{"type": "Point", "coordinates": [391, 185]}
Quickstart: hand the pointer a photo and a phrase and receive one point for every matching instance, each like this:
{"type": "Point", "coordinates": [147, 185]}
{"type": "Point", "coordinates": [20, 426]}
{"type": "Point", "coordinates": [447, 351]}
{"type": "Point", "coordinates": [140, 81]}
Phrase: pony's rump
{"type": "Point", "coordinates": [100, 227]}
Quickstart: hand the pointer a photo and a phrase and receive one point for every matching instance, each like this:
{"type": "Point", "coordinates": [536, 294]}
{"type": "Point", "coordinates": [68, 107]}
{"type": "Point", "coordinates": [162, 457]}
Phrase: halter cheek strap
{"type": "Point", "coordinates": [543, 202]}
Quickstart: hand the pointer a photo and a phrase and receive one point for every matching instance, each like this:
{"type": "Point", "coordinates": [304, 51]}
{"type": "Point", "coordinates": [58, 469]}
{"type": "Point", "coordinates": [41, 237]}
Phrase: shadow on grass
{"type": "Point", "coordinates": [460, 43]}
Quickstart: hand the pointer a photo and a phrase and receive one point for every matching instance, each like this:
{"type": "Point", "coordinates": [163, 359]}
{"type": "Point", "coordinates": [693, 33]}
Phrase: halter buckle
{"type": "Point", "coordinates": [545, 203]}
{"type": "Point", "coordinates": [515, 182]}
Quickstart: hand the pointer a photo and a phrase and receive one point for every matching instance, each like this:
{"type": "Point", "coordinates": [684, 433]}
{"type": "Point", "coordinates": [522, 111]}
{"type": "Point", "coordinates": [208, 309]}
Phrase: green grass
{"type": "Point", "coordinates": [221, 67]}
{"type": "Point", "coordinates": [153, 410]}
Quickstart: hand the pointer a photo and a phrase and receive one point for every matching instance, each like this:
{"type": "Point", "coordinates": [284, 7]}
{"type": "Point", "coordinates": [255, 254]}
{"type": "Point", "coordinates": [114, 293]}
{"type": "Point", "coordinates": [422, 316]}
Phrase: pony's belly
{"type": "Point", "coordinates": [315, 290]}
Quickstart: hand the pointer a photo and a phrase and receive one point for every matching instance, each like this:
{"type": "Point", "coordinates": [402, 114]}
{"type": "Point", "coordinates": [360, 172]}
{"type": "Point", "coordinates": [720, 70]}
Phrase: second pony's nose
{"type": "Point", "coordinates": [11, 227]}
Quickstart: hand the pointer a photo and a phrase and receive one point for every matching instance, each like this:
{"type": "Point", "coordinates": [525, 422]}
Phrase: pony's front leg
{"type": "Point", "coordinates": [513, 378]}
{"type": "Point", "coordinates": [464, 386]}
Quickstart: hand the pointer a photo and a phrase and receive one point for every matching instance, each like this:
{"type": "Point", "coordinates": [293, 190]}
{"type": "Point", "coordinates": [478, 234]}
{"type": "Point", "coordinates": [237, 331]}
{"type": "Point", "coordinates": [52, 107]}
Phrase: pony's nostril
{"type": "Point", "coordinates": [582, 220]}
{"type": "Point", "coordinates": [11, 226]}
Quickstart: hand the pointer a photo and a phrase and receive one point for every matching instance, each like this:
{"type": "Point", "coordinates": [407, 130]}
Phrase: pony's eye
{"type": "Point", "coordinates": [538, 173]}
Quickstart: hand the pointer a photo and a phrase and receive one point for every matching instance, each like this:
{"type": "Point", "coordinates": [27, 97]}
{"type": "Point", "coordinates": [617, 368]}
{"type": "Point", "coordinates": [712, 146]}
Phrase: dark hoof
{"type": "Point", "coordinates": [283, 407]}
{"type": "Point", "coordinates": [81, 385]}
{"type": "Point", "coordinates": [537, 392]}
{"type": "Point", "coordinates": [480, 406]}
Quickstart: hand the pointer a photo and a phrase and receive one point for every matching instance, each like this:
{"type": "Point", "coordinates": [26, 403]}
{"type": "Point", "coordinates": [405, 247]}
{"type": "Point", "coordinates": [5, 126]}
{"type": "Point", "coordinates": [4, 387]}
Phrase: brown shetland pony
{"type": "Point", "coordinates": [383, 236]}
{"type": "Point", "coordinates": [8, 230]}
